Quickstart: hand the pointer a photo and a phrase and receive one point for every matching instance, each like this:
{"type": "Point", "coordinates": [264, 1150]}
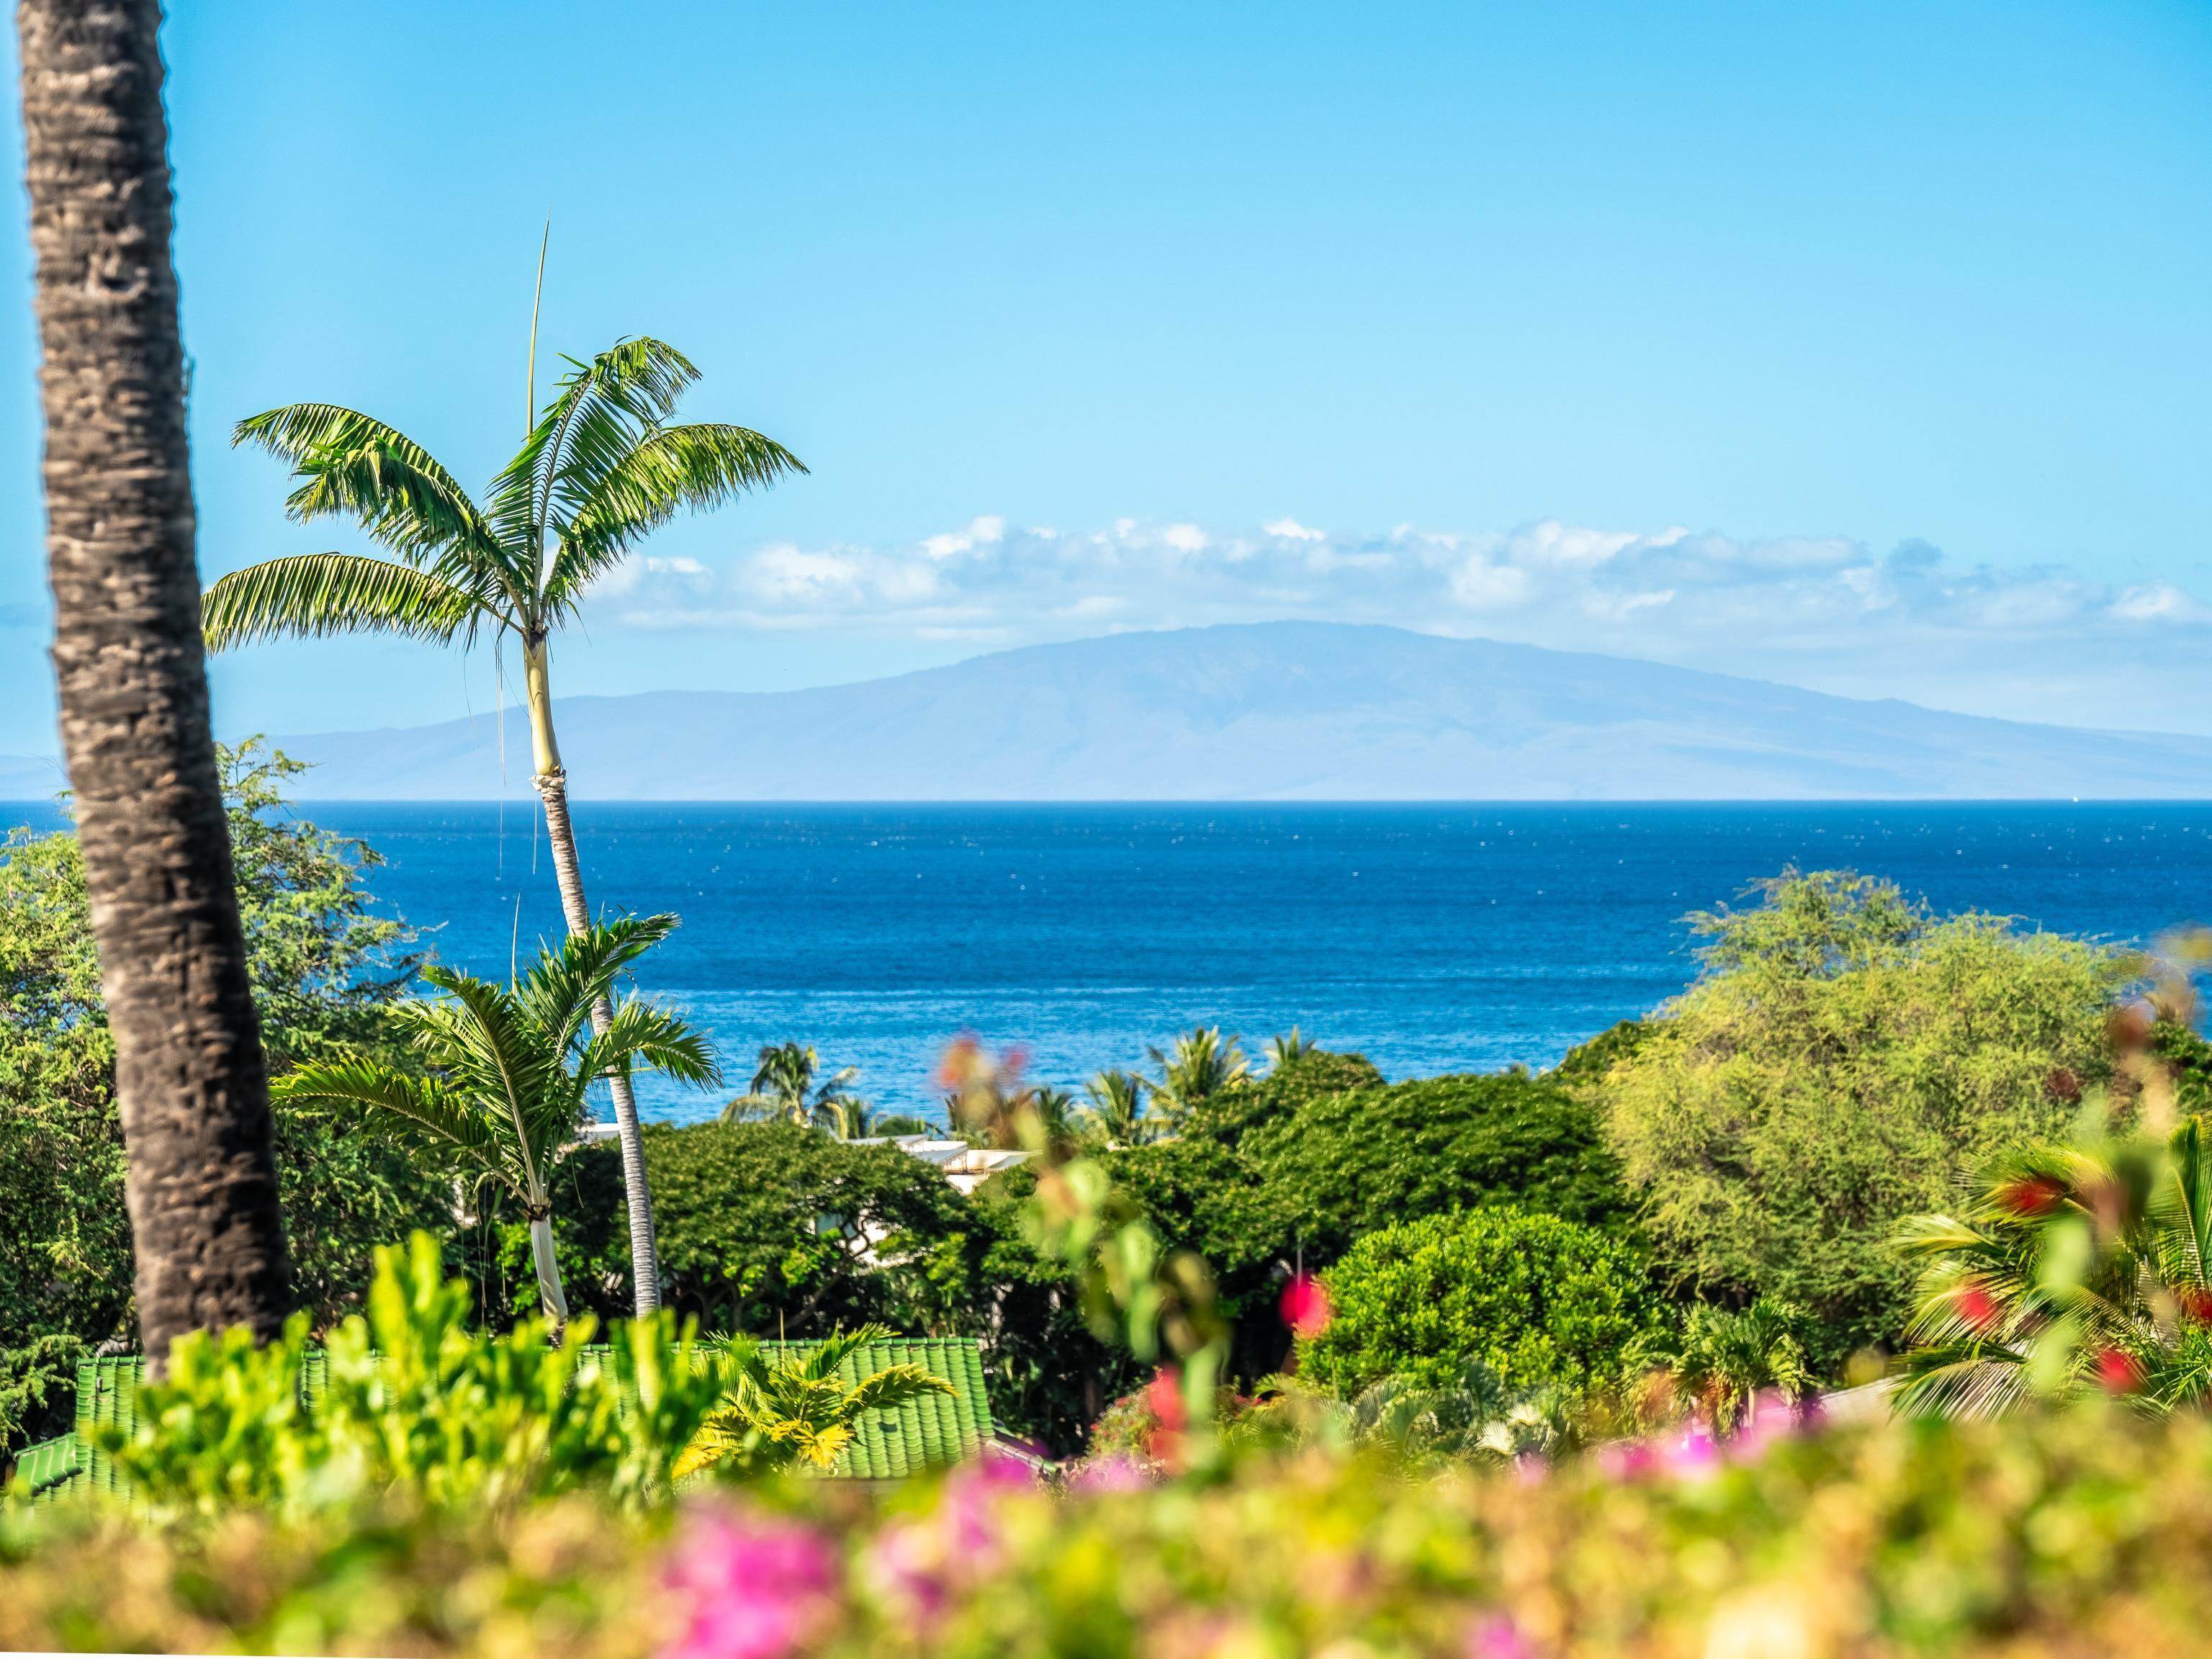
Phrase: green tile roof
{"type": "Point", "coordinates": [927, 1433]}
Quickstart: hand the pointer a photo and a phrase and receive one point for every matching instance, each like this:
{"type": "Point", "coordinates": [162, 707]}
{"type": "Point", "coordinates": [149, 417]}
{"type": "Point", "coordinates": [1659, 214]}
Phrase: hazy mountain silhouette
{"type": "Point", "coordinates": [1271, 711]}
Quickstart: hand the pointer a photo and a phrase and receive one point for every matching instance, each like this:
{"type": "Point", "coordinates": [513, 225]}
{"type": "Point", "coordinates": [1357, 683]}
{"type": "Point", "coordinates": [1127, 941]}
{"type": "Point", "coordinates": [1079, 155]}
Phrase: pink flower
{"type": "Point", "coordinates": [1497, 1636]}
{"type": "Point", "coordinates": [1306, 1307]}
{"type": "Point", "coordinates": [748, 1587]}
{"type": "Point", "coordinates": [1627, 1460]}
{"type": "Point", "coordinates": [1692, 1452]}
{"type": "Point", "coordinates": [1116, 1473]}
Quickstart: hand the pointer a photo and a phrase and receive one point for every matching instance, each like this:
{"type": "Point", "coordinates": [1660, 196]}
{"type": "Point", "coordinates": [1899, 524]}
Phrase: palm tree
{"type": "Point", "coordinates": [191, 1078]}
{"type": "Point", "coordinates": [1116, 1114]}
{"type": "Point", "coordinates": [1287, 1048]}
{"type": "Point", "coordinates": [601, 469]}
{"type": "Point", "coordinates": [784, 1090]}
{"type": "Point", "coordinates": [507, 1067]}
{"type": "Point", "coordinates": [1202, 1064]}
{"type": "Point", "coordinates": [797, 1409]}
{"type": "Point", "coordinates": [2069, 1269]}
{"type": "Point", "coordinates": [1723, 1360]}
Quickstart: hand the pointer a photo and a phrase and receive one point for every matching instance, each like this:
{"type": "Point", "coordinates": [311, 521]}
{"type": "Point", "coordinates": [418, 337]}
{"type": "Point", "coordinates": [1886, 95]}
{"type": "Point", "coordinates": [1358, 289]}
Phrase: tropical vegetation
{"type": "Point", "coordinates": [602, 465]}
{"type": "Point", "coordinates": [502, 1072]}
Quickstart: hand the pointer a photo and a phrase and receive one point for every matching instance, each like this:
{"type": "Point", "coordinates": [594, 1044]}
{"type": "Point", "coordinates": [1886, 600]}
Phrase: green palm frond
{"type": "Point", "coordinates": [640, 1033]}
{"type": "Point", "coordinates": [693, 466]}
{"type": "Point", "coordinates": [316, 595]}
{"type": "Point", "coordinates": [484, 1042]}
{"type": "Point", "coordinates": [599, 412]}
{"type": "Point", "coordinates": [351, 465]}
{"type": "Point", "coordinates": [369, 1084]}
{"type": "Point", "coordinates": [562, 985]}
{"type": "Point", "coordinates": [892, 1387]}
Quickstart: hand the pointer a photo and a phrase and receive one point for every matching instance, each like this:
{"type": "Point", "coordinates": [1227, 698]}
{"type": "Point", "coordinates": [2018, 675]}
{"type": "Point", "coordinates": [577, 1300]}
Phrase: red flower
{"type": "Point", "coordinates": [1978, 1309]}
{"type": "Point", "coordinates": [2117, 1372]}
{"type": "Point", "coordinates": [2195, 1303]}
{"type": "Point", "coordinates": [1306, 1307]}
{"type": "Point", "coordinates": [2032, 1196]}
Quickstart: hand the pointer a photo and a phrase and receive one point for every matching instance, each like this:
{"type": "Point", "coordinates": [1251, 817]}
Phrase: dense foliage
{"type": "Point", "coordinates": [767, 1228]}
{"type": "Point", "coordinates": [324, 963]}
{"type": "Point", "coordinates": [1541, 1302]}
{"type": "Point", "coordinates": [2046, 1538]}
{"type": "Point", "coordinates": [1843, 1057]}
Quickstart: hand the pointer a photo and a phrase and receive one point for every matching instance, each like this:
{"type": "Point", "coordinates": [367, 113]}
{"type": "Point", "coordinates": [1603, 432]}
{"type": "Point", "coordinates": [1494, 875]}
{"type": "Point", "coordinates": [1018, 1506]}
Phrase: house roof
{"type": "Point", "coordinates": [924, 1433]}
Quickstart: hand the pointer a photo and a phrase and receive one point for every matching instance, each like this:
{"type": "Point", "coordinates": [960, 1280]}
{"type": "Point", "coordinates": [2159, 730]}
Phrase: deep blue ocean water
{"type": "Point", "coordinates": [1432, 938]}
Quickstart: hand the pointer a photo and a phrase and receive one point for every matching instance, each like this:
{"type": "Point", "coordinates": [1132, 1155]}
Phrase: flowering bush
{"type": "Point", "coordinates": [2088, 1530]}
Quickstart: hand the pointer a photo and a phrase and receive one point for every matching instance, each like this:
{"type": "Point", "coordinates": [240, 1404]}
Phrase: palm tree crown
{"type": "Point", "coordinates": [1202, 1064]}
{"type": "Point", "coordinates": [784, 1089]}
{"type": "Point", "coordinates": [602, 468]}
{"type": "Point", "coordinates": [506, 1068]}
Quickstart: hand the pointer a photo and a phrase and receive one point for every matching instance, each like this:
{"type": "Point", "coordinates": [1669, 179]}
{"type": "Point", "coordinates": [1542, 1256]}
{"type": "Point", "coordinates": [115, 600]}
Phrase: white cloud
{"type": "Point", "coordinates": [1824, 610]}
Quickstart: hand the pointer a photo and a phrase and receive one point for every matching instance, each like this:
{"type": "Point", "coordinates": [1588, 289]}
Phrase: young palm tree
{"type": "Point", "coordinates": [1116, 1114]}
{"type": "Point", "coordinates": [507, 1067]}
{"type": "Point", "coordinates": [2069, 1269]}
{"type": "Point", "coordinates": [190, 1079]}
{"type": "Point", "coordinates": [797, 1409]}
{"type": "Point", "coordinates": [784, 1090]}
{"type": "Point", "coordinates": [1202, 1064]}
{"type": "Point", "coordinates": [602, 468]}
{"type": "Point", "coordinates": [1287, 1048]}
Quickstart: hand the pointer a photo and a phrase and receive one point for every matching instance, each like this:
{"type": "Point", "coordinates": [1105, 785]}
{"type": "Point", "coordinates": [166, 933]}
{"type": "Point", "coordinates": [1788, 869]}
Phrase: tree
{"type": "Point", "coordinates": [1202, 1064]}
{"type": "Point", "coordinates": [191, 1077]}
{"type": "Point", "coordinates": [769, 1227]}
{"type": "Point", "coordinates": [602, 468]}
{"type": "Point", "coordinates": [1287, 1048]}
{"type": "Point", "coordinates": [323, 965]}
{"type": "Point", "coordinates": [2069, 1269]}
{"type": "Point", "coordinates": [796, 1409]}
{"type": "Point", "coordinates": [1116, 1114]}
{"type": "Point", "coordinates": [1722, 1359]}
{"type": "Point", "coordinates": [507, 1068]}
{"type": "Point", "coordinates": [784, 1091]}
{"type": "Point", "coordinates": [1843, 1056]}
{"type": "Point", "coordinates": [1540, 1301]}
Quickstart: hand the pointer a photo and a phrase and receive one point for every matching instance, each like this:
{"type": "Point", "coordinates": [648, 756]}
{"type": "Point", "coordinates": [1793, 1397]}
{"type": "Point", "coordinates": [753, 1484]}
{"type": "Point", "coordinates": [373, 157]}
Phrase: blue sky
{"type": "Point", "coordinates": [1861, 346]}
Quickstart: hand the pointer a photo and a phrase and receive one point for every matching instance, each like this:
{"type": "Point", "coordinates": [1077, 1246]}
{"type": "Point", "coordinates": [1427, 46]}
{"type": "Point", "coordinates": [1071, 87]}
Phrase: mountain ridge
{"type": "Point", "coordinates": [1273, 711]}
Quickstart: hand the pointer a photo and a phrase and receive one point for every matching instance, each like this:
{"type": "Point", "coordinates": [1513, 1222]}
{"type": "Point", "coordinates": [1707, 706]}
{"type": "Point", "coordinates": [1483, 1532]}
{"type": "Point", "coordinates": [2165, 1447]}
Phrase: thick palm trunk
{"type": "Point", "coordinates": [190, 1079]}
{"type": "Point", "coordinates": [552, 783]}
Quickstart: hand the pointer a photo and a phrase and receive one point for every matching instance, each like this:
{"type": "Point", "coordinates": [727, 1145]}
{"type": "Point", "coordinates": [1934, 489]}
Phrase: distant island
{"type": "Point", "coordinates": [1274, 711]}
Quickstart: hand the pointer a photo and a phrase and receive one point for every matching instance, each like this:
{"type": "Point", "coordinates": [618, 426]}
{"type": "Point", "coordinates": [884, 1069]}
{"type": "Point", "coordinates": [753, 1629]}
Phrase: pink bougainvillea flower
{"type": "Point", "coordinates": [1690, 1453]}
{"type": "Point", "coordinates": [1627, 1460]}
{"type": "Point", "coordinates": [2117, 1372]}
{"type": "Point", "coordinates": [1117, 1471]}
{"type": "Point", "coordinates": [1306, 1306]}
{"type": "Point", "coordinates": [747, 1587]}
{"type": "Point", "coordinates": [1497, 1636]}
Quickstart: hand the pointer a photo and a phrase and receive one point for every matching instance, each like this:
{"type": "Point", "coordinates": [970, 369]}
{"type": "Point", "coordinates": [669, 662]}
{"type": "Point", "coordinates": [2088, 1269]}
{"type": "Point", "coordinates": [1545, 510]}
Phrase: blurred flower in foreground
{"type": "Point", "coordinates": [1306, 1307]}
{"type": "Point", "coordinates": [747, 1587]}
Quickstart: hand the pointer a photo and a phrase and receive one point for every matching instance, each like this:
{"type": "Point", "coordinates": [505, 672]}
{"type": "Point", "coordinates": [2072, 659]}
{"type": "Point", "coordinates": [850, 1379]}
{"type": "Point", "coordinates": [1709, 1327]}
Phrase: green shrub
{"type": "Point", "coordinates": [1540, 1301]}
{"type": "Point", "coordinates": [409, 1402]}
{"type": "Point", "coordinates": [1844, 1059]}
{"type": "Point", "coordinates": [767, 1228]}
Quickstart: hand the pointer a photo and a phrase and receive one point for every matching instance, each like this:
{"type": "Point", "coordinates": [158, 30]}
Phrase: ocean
{"type": "Point", "coordinates": [1432, 939]}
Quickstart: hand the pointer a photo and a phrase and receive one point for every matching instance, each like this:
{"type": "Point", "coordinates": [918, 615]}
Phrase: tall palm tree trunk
{"type": "Point", "coordinates": [552, 783]}
{"type": "Point", "coordinates": [190, 1077]}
